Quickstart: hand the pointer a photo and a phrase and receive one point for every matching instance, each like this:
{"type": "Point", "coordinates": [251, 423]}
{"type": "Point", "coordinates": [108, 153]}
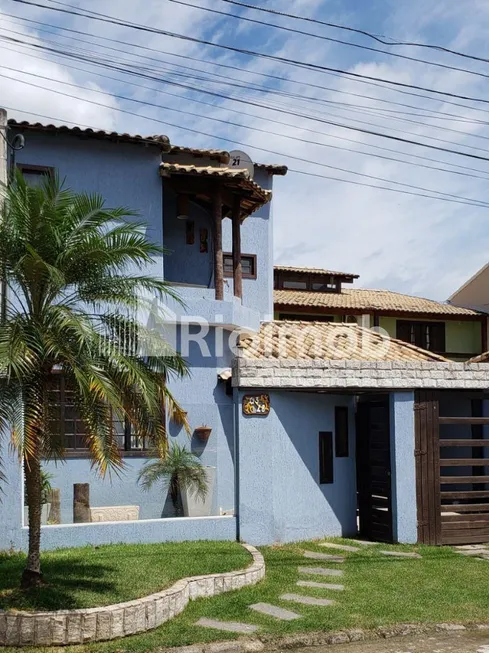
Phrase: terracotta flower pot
{"type": "Point", "coordinates": [203, 433]}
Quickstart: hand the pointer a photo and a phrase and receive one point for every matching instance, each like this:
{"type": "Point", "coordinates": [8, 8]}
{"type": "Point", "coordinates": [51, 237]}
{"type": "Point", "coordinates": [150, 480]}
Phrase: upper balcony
{"type": "Point", "coordinates": [196, 201]}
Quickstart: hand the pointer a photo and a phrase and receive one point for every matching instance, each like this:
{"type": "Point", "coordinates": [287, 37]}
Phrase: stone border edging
{"type": "Point", "coordinates": [67, 627]}
{"type": "Point", "coordinates": [312, 639]}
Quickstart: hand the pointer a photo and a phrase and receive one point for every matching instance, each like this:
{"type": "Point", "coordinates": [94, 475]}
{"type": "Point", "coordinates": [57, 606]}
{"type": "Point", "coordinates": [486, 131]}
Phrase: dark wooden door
{"type": "Point", "coordinates": [374, 469]}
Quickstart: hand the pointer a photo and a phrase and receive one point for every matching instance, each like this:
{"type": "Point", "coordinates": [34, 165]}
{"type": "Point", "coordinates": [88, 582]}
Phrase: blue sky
{"type": "Point", "coordinates": [410, 244]}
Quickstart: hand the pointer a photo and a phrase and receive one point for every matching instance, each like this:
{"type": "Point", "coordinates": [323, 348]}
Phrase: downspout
{"type": "Point", "coordinates": [236, 460]}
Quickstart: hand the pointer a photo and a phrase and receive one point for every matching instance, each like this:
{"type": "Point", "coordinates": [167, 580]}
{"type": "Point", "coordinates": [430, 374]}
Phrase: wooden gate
{"type": "Point", "coordinates": [374, 469]}
{"type": "Point", "coordinates": [452, 468]}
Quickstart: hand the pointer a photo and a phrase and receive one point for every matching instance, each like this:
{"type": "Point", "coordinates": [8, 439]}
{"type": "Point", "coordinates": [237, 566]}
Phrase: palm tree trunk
{"type": "Point", "coordinates": [32, 576]}
{"type": "Point", "coordinates": [175, 498]}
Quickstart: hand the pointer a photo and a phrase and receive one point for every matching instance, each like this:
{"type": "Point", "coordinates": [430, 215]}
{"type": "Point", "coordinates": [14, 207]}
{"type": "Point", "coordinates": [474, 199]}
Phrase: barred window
{"type": "Point", "coordinates": [65, 421]}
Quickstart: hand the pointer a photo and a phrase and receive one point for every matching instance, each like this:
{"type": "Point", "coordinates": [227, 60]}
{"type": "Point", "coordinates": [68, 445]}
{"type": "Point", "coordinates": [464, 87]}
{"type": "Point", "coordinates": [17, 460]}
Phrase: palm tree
{"type": "Point", "coordinates": [179, 470]}
{"type": "Point", "coordinates": [75, 276]}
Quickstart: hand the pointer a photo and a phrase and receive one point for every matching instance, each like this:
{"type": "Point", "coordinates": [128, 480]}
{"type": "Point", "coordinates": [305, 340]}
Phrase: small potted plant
{"type": "Point", "coordinates": [46, 478]}
{"type": "Point", "coordinates": [203, 432]}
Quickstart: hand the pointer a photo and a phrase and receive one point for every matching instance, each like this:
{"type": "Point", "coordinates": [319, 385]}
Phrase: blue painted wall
{"type": "Point", "coordinates": [280, 498]}
{"type": "Point", "coordinates": [403, 467]}
{"type": "Point", "coordinates": [257, 238]}
{"type": "Point", "coordinates": [186, 263]}
{"type": "Point", "coordinates": [204, 398]}
{"type": "Point", "coordinates": [124, 174]}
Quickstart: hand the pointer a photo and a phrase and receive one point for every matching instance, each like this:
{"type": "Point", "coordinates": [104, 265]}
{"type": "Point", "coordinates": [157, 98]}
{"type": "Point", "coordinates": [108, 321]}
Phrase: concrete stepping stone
{"type": "Point", "coordinates": [365, 543]}
{"type": "Point", "coordinates": [401, 554]}
{"type": "Point", "coordinates": [320, 571]}
{"type": "Point", "coordinates": [471, 547]}
{"type": "Point", "coordinates": [228, 626]}
{"type": "Point", "coordinates": [306, 600]}
{"type": "Point", "coordinates": [340, 547]}
{"type": "Point", "coordinates": [321, 586]}
{"type": "Point", "coordinates": [323, 556]}
{"type": "Point", "coordinates": [275, 611]}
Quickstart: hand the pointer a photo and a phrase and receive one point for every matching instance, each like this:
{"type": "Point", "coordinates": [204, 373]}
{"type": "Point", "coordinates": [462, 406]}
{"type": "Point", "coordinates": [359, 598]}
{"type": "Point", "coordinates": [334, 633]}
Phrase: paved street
{"type": "Point", "coordinates": [466, 642]}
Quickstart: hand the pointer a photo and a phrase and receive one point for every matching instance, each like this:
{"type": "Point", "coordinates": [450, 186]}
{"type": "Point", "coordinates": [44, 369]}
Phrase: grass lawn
{"type": "Point", "coordinates": [443, 586]}
{"type": "Point", "coordinates": [93, 576]}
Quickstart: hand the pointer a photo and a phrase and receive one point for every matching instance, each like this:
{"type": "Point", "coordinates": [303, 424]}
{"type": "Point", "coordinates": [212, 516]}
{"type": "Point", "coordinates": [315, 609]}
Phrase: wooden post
{"type": "Point", "coordinates": [237, 269]}
{"type": "Point", "coordinates": [218, 258]}
{"type": "Point", "coordinates": [81, 503]}
{"type": "Point", "coordinates": [54, 516]}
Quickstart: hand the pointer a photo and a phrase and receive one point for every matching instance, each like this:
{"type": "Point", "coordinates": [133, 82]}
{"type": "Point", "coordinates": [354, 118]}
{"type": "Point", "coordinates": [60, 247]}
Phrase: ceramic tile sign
{"type": "Point", "coordinates": [256, 405]}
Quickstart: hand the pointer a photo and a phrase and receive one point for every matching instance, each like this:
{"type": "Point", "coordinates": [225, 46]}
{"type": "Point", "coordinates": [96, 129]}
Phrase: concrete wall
{"type": "Point", "coordinates": [256, 238]}
{"type": "Point", "coordinates": [280, 498]}
{"type": "Point", "coordinates": [204, 398]}
{"type": "Point", "coordinates": [403, 469]}
{"type": "Point", "coordinates": [124, 174]}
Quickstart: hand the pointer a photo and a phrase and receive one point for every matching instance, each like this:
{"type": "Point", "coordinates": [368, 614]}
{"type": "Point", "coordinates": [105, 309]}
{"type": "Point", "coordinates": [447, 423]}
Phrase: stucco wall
{"type": "Point", "coordinates": [256, 238]}
{"type": "Point", "coordinates": [403, 467]}
{"type": "Point", "coordinates": [280, 498]}
{"type": "Point", "coordinates": [186, 263]}
{"type": "Point", "coordinates": [124, 174]}
{"type": "Point", "coordinates": [204, 398]}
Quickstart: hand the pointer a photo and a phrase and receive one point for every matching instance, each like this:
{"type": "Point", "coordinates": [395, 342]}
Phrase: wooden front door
{"type": "Point", "coordinates": [374, 469]}
{"type": "Point", "coordinates": [452, 468]}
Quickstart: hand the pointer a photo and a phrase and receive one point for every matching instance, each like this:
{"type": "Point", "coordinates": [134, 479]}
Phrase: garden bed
{"type": "Point", "coordinates": [97, 576]}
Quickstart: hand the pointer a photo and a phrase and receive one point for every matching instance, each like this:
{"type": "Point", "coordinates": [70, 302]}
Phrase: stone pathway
{"type": "Point", "coordinates": [320, 571]}
{"type": "Point", "coordinates": [288, 615]}
{"type": "Point", "coordinates": [275, 611]}
{"type": "Point", "coordinates": [323, 556]}
{"type": "Point", "coordinates": [229, 626]}
{"type": "Point", "coordinates": [480, 551]}
{"type": "Point", "coordinates": [401, 554]}
{"type": "Point", "coordinates": [306, 600]}
{"type": "Point", "coordinates": [340, 547]}
{"type": "Point", "coordinates": [325, 586]}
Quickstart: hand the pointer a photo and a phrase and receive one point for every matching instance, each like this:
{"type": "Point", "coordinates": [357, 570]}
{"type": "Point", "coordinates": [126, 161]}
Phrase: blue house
{"type": "Point", "coordinates": [316, 428]}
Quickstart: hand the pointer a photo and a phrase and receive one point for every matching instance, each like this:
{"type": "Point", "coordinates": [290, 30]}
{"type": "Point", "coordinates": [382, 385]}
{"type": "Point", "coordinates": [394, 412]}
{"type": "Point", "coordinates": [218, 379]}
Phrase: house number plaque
{"type": "Point", "coordinates": [256, 405]}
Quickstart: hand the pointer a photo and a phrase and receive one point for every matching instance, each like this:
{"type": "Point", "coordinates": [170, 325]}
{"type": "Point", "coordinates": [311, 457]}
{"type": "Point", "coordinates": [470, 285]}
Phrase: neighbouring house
{"type": "Point", "coordinates": [457, 331]}
{"type": "Point", "coordinates": [317, 427]}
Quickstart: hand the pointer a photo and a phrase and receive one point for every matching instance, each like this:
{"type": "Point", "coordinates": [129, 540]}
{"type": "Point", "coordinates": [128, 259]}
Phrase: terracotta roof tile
{"type": "Point", "coordinates": [327, 341]}
{"type": "Point", "coordinates": [293, 268]}
{"type": "Point", "coordinates": [272, 168]}
{"type": "Point", "coordinates": [162, 141]}
{"type": "Point", "coordinates": [367, 300]}
{"type": "Point", "coordinates": [219, 155]}
{"type": "Point", "coordinates": [254, 196]}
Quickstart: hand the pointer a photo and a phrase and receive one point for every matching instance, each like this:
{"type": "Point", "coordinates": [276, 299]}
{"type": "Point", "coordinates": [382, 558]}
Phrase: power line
{"type": "Point", "coordinates": [291, 62]}
{"type": "Point", "coordinates": [327, 38]}
{"type": "Point", "coordinates": [302, 172]}
{"type": "Point", "coordinates": [293, 113]}
{"type": "Point", "coordinates": [288, 124]}
{"type": "Point", "coordinates": [346, 107]}
{"type": "Point", "coordinates": [254, 72]}
{"type": "Point", "coordinates": [472, 202]}
{"type": "Point", "coordinates": [248, 127]}
{"type": "Point", "coordinates": [377, 38]}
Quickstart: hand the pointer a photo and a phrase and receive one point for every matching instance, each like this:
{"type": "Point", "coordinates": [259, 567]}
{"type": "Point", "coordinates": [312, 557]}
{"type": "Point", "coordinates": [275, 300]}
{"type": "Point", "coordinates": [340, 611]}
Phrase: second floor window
{"type": "Point", "coordinates": [427, 335]}
{"type": "Point", "coordinates": [248, 265]}
{"type": "Point", "coordinates": [34, 175]}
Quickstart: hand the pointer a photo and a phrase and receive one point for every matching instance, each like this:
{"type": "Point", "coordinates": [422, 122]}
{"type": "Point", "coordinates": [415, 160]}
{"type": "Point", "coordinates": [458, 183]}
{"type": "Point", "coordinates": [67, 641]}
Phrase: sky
{"type": "Point", "coordinates": [400, 242]}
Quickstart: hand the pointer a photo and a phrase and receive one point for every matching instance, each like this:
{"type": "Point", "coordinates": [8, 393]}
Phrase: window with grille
{"type": "Point", "coordinates": [66, 424]}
